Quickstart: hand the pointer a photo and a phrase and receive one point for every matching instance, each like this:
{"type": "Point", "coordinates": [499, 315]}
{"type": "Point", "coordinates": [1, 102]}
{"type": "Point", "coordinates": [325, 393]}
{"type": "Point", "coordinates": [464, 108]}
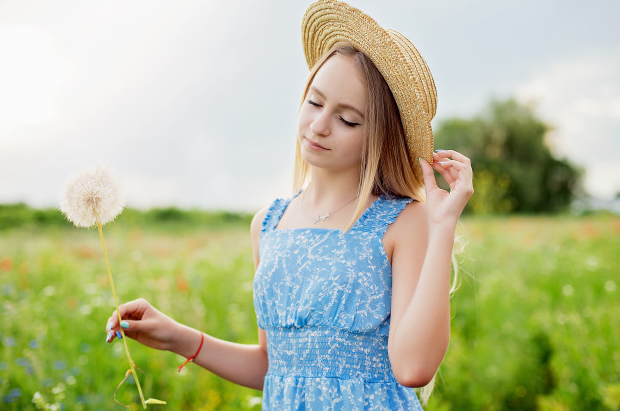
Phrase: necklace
{"type": "Point", "coordinates": [323, 217]}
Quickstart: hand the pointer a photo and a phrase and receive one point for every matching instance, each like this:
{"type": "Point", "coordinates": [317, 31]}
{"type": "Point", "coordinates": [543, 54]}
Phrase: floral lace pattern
{"type": "Point", "coordinates": [324, 299]}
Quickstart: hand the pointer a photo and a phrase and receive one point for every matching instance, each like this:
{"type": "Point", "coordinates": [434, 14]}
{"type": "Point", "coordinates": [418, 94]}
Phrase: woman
{"type": "Point", "coordinates": [353, 272]}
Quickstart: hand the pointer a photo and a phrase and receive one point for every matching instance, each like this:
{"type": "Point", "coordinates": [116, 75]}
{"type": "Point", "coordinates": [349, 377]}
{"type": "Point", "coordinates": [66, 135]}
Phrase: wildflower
{"type": "Point", "coordinates": [59, 388]}
{"type": "Point", "coordinates": [15, 392]}
{"type": "Point", "coordinates": [38, 400]}
{"type": "Point", "coordinates": [8, 289]}
{"type": "Point", "coordinates": [59, 365]}
{"type": "Point", "coordinates": [610, 286]}
{"type": "Point", "coordinates": [254, 401]}
{"type": "Point", "coordinates": [91, 197]}
{"type": "Point", "coordinates": [6, 264]}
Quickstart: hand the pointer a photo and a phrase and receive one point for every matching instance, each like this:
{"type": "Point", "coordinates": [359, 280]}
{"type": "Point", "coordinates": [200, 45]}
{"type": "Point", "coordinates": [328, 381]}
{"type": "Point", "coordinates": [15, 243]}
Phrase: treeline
{"type": "Point", "coordinates": [21, 214]}
{"type": "Point", "coordinates": [515, 169]}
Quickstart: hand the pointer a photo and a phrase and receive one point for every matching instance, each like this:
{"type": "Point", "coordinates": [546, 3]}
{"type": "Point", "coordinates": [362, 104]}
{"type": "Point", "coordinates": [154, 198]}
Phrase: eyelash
{"type": "Point", "coordinates": [347, 123]}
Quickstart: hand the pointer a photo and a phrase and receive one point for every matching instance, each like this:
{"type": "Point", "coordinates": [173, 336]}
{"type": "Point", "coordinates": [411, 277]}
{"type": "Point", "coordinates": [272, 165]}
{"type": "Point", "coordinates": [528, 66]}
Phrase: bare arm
{"type": "Point", "coordinates": [421, 241]}
{"type": "Point", "coordinates": [239, 363]}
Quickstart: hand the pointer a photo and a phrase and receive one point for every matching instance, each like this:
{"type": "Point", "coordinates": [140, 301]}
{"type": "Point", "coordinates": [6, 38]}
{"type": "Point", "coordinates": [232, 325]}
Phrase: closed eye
{"type": "Point", "coordinates": [349, 123]}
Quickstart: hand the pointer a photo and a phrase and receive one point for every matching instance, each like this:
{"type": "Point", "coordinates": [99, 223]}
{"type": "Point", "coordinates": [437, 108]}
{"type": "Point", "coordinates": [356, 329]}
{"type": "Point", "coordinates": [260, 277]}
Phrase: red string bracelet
{"type": "Point", "coordinates": [202, 340]}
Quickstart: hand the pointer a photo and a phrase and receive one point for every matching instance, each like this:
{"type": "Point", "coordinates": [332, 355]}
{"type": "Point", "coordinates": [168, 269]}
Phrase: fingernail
{"type": "Point", "coordinates": [119, 335]}
{"type": "Point", "coordinates": [443, 162]}
{"type": "Point", "coordinates": [109, 326]}
{"type": "Point", "coordinates": [438, 150]}
{"type": "Point", "coordinates": [124, 324]}
{"type": "Point", "coordinates": [109, 337]}
{"type": "Point", "coordinates": [420, 160]}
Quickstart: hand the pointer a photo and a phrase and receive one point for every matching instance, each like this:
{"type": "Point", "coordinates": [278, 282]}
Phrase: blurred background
{"type": "Point", "coordinates": [193, 105]}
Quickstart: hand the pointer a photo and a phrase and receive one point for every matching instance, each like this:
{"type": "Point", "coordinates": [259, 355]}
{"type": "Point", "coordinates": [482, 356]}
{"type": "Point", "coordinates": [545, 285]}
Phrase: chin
{"type": "Point", "coordinates": [313, 161]}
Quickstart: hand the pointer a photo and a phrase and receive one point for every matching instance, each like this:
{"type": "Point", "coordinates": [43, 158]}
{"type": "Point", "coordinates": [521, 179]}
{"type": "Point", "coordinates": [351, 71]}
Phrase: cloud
{"type": "Point", "coordinates": [30, 77]}
{"type": "Point", "coordinates": [580, 98]}
{"type": "Point", "coordinates": [190, 103]}
{"type": "Point", "coordinates": [195, 102]}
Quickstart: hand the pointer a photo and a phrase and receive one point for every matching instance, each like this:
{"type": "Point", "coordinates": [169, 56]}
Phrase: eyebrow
{"type": "Point", "coordinates": [342, 105]}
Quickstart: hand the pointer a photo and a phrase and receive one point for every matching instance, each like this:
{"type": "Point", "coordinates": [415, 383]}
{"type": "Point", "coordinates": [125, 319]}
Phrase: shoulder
{"type": "Point", "coordinates": [257, 222]}
{"type": "Point", "coordinates": [255, 230]}
{"type": "Point", "coordinates": [263, 218]}
{"type": "Point", "coordinates": [411, 226]}
{"type": "Point", "coordinates": [413, 213]}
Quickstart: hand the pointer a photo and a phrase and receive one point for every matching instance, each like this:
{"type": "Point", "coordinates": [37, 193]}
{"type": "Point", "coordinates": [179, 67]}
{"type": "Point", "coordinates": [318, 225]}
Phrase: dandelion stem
{"type": "Point", "coordinates": [133, 371]}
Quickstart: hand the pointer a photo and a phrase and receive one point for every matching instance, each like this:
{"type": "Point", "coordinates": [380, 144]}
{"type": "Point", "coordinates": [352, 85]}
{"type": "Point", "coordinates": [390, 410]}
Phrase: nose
{"type": "Point", "coordinates": [320, 125]}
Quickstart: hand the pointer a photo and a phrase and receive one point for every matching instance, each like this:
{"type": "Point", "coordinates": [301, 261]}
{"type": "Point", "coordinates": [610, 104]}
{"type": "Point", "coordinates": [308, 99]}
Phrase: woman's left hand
{"type": "Point", "coordinates": [446, 207]}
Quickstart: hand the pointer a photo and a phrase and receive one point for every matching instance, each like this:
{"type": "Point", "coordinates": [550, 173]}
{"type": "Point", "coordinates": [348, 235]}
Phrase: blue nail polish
{"type": "Point", "coordinates": [124, 324]}
{"type": "Point", "coordinates": [109, 326]}
{"type": "Point", "coordinates": [110, 336]}
{"type": "Point", "coordinates": [119, 335]}
{"type": "Point", "coordinates": [420, 160]}
{"type": "Point", "coordinates": [438, 150]}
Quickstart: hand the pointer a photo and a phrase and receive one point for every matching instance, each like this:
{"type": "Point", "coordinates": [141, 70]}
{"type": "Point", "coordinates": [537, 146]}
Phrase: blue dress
{"type": "Point", "coordinates": [323, 298]}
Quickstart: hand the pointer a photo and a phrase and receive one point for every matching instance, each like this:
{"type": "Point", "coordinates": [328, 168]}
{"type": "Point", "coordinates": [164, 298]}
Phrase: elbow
{"type": "Point", "coordinates": [414, 378]}
{"type": "Point", "coordinates": [415, 372]}
{"type": "Point", "coordinates": [415, 367]}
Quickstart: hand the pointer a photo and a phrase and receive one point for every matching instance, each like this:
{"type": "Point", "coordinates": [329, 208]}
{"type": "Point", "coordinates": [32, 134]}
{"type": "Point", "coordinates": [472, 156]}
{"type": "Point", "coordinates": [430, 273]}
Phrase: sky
{"type": "Point", "coordinates": [194, 103]}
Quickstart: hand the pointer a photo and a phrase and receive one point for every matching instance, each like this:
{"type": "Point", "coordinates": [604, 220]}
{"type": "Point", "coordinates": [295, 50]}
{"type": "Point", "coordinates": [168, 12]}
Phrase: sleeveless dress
{"type": "Point", "coordinates": [323, 298]}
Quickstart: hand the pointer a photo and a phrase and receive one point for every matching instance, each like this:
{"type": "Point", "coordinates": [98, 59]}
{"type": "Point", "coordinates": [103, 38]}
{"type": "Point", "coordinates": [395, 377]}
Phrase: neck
{"type": "Point", "coordinates": [327, 187]}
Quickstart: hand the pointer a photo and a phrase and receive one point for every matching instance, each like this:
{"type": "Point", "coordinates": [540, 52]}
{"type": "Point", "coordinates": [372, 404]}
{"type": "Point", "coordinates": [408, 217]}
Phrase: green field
{"type": "Point", "coordinates": [536, 321]}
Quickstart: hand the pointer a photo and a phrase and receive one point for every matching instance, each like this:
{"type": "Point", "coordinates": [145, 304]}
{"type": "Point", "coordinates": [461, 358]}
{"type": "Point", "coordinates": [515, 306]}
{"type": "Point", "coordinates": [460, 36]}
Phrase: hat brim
{"type": "Point", "coordinates": [329, 22]}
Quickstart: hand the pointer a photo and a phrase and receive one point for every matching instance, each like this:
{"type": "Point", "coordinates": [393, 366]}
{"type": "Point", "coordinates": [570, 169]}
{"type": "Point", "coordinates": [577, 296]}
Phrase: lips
{"type": "Point", "coordinates": [315, 146]}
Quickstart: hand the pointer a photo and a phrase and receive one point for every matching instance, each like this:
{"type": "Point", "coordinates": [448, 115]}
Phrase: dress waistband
{"type": "Point", "coordinates": [328, 353]}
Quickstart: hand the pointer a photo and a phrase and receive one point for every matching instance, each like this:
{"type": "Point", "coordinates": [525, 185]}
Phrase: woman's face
{"type": "Point", "coordinates": [331, 120]}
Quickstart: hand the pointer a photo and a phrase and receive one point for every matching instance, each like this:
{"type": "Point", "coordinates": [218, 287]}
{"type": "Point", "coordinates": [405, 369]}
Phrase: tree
{"type": "Point", "coordinates": [514, 169]}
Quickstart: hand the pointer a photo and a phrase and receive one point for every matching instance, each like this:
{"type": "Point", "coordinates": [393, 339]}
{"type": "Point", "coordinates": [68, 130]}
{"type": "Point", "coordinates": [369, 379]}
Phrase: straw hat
{"type": "Point", "coordinates": [328, 22]}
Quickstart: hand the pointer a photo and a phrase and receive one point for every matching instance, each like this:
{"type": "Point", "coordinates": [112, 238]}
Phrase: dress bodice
{"type": "Point", "coordinates": [323, 297]}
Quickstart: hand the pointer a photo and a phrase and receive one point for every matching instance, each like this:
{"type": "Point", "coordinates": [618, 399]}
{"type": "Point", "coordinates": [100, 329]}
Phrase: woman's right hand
{"type": "Point", "coordinates": [143, 323]}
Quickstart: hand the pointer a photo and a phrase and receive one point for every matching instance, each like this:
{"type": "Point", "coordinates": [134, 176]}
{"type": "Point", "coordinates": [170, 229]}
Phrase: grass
{"type": "Point", "coordinates": [535, 322]}
{"type": "Point", "coordinates": [56, 298]}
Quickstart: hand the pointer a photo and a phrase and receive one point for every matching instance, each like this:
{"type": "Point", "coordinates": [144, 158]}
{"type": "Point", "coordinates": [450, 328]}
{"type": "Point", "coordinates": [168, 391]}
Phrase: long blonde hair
{"type": "Point", "coordinates": [387, 165]}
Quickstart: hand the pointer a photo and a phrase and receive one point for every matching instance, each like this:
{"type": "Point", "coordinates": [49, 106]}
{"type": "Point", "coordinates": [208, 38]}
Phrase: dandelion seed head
{"type": "Point", "coordinates": [91, 197]}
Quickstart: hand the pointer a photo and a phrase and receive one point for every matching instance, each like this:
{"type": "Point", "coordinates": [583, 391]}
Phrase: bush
{"type": "Point", "coordinates": [20, 214]}
{"type": "Point", "coordinates": [514, 169]}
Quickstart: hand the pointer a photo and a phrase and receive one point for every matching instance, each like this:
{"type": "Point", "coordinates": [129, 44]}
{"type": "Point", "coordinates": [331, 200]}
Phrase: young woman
{"type": "Point", "coordinates": [352, 280]}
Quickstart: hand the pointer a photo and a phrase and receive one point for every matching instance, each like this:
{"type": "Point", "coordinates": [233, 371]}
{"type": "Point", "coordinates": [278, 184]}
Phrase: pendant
{"type": "Point", "coordinates": [321, 218]}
